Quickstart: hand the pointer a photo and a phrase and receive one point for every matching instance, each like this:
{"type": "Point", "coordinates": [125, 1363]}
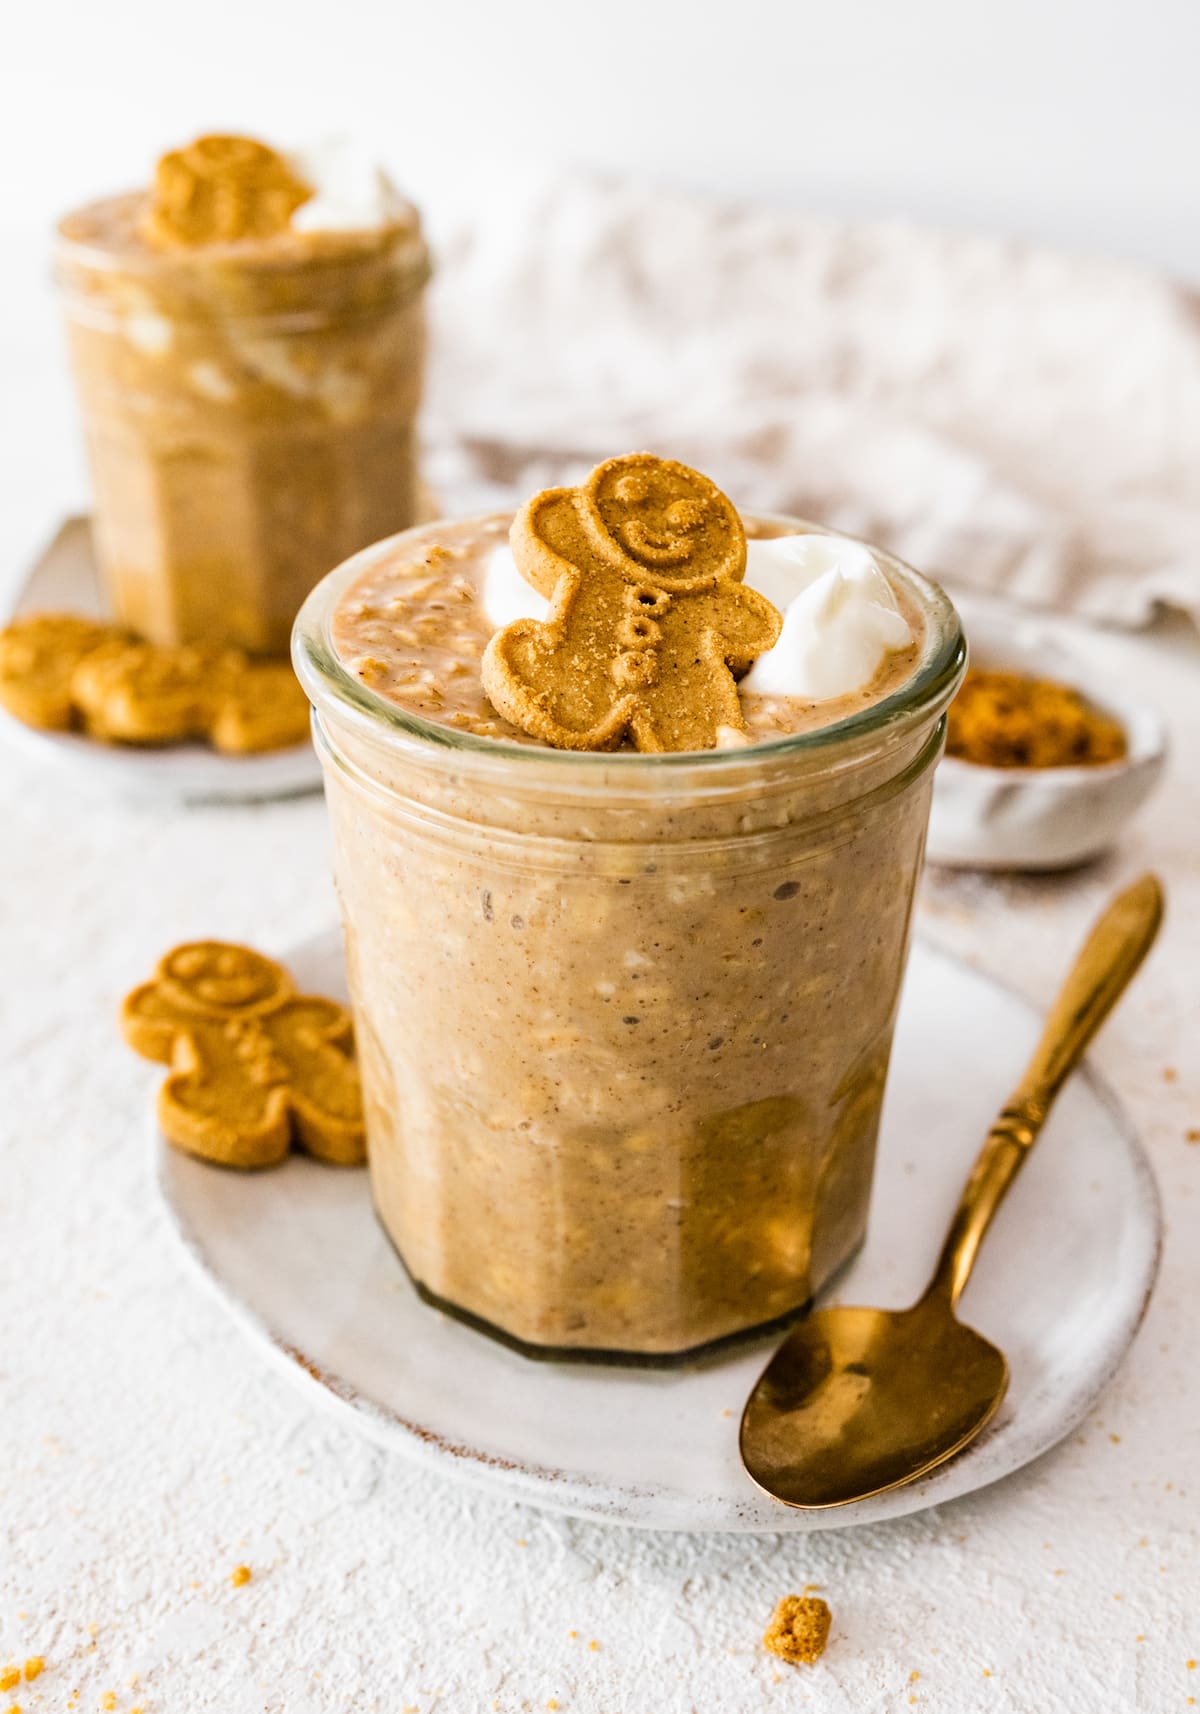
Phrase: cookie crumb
{"type": "Point", "coordinates": [799, 1629]}
{"type": "Point", "coordinates": [239, 1575]}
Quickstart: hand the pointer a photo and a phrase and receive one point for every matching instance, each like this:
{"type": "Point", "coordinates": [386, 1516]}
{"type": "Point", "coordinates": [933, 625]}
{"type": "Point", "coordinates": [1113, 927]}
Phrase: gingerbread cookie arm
{"type": "Point", "coordinates": [744, 624]}
{"type": "Point", "coordinates": [544, 537]}
{"type": "Point", "coordinates": [149, 1026]}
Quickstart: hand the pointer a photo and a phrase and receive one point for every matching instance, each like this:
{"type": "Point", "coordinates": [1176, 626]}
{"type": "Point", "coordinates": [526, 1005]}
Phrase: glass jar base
{"type": "Point", "coordinates": [708, 1351]}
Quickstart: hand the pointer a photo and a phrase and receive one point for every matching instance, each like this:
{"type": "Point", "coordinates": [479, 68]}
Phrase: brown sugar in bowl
{"type": "Point", "coordinates": [1048, 812]}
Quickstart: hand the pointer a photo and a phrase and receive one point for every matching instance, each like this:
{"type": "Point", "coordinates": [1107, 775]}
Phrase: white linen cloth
{"type": "Point", "coordinates": [1001, 416]}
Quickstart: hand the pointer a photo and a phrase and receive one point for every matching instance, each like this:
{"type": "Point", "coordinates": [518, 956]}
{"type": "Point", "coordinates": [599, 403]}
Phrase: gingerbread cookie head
{"type": "Point", "coordinates": [217, 976]}
{"type": "Point", "coordinates": [649, 623]}
{"type": "Point", "coordinates": [656, 518]}
{"type": "Point", "coordinates": [221, 188]}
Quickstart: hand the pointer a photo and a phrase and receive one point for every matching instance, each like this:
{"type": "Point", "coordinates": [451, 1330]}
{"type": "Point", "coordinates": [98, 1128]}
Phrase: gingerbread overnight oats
{"type": "Point", "coordinates": [247, 341]}
{"type": "Point", "coordinates": [624, 1016]}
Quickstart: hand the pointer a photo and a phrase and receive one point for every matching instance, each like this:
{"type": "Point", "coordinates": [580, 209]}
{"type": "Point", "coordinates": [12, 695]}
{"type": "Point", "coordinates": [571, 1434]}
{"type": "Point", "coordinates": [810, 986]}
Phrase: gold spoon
{"type": "Point", "coordinates": [857, 1401]}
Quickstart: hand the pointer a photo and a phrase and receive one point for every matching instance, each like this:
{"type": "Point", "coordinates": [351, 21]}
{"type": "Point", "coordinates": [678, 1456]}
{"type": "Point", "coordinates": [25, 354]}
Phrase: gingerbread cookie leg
{"type": "Point", "coordinates": [315, 1040]}
{"type": "Point", "coordinates": [217, 1130]}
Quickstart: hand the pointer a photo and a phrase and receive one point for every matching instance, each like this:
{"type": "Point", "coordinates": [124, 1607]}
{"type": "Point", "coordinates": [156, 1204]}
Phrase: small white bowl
{"type": "Point", "coordinates": [1042, 818]}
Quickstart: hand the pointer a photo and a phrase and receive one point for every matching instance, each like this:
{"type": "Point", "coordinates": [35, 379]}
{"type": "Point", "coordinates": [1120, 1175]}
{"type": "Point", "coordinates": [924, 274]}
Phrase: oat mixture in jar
{"type": "Point", "coordinates": [624, 1020]}
{"type": "Point", "coordinates": [249, 373]}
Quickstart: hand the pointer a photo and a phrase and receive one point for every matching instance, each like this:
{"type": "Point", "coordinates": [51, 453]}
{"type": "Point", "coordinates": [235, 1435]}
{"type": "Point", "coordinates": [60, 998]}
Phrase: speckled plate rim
{"type": "Point", "coordinates": [1013, 1441]}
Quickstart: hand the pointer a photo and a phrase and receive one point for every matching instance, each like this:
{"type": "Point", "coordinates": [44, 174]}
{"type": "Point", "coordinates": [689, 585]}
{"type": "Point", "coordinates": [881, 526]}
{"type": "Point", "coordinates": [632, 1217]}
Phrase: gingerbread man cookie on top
{"type": "Point", "coordinates": [650, 623]}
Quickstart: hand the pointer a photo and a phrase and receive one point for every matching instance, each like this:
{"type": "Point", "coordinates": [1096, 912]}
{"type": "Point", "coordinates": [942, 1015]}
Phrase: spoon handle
{"type": "Point", "coordinates": [1107, 962]}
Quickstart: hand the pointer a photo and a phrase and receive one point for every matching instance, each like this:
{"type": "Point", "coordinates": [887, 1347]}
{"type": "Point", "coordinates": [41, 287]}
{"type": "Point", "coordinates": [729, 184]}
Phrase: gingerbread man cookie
{"type": "Point", "coordinates": [254, 1065]}
{"type": "Point", "coordinates": [650, 623]}
{"type": "Point", "coordinates": [222, 188]}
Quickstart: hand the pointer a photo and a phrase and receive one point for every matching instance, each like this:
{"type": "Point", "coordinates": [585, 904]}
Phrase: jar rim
{"type": "Point", "coordinates": [924, 695]}
{"type": "Point", "coordinates": [95, 253]}
{"type": "Point", "coordinates": [83, 265]}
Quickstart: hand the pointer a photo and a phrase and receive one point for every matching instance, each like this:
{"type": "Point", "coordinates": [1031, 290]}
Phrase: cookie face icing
{"type": "Point", "coordinates": [649, 620]}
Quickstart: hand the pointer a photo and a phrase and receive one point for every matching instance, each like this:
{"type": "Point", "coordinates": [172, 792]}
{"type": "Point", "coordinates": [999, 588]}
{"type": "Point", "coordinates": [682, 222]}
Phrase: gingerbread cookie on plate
{"type": "Point", "coordinates": [255, 1067]}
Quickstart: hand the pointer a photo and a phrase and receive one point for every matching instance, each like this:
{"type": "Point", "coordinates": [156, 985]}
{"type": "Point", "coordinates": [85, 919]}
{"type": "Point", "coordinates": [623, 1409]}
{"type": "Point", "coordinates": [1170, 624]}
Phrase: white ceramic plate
{"type": "Point", "coordinates": [1061, 1286]}
{"type": "Point", "coordinates": [64, 577]}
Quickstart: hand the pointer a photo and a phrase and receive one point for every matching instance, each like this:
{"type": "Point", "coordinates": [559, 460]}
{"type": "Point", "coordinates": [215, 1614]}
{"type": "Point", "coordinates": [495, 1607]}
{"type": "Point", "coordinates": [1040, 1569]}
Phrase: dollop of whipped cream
{"type": "Point", "coordinates": [506, 597]}
{"type": "Point", "coordinates": [351, 191]}
{"type": "Point", "coordinates": [840, 617]}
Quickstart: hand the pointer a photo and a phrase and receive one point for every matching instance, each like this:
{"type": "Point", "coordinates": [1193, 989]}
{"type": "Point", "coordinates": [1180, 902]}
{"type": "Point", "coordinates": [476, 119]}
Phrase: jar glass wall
{"type": "Point", "coordinates": [624, 1020]}
{"type": "Point", "coordinates": [248, 411]}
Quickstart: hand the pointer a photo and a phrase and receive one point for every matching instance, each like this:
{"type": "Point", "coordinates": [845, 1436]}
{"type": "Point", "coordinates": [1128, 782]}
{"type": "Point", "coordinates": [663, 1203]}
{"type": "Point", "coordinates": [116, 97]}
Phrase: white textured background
{"type": "Point", "coordinates": [143, 1450]}
{"type": "Point", "coordinates": [1066, 120]}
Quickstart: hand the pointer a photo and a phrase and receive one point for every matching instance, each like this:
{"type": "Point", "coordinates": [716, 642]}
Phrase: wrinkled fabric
{"type": "Point", "coordinates": [1003, 417]}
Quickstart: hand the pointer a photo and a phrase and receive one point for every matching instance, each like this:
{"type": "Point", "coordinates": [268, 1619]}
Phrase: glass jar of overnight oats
{"type": "Point", "coordinates": [623, 1019]}
{"type": "Point", "coordinates": [248, 408]}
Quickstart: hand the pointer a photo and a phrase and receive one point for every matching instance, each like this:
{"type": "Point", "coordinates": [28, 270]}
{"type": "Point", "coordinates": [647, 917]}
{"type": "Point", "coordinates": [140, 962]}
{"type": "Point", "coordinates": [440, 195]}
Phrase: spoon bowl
{"type": "Point", "coordinates": [857, 1401]}
{"type": "Point", "coordinates": [868, 1399]}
